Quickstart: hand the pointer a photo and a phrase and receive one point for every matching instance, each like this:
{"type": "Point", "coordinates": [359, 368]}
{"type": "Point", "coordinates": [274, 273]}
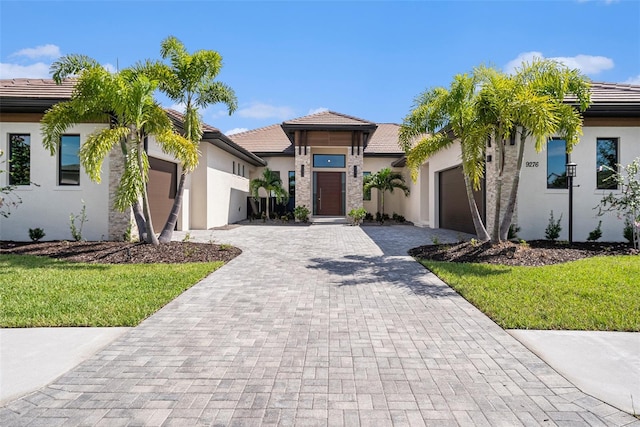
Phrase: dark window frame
{"type": "Point", "coordinates": [601, 175]}
{"type": "Point", "coordinates": [341, 165]}
{"type": "Point", "coordinates": [560, 180]}
{"type": "Point", "coordinates": [366, 194]}
{"type": "Point", "coordinates": [11, 161]}
{"type": "Point", "coordinates": [60, 165]}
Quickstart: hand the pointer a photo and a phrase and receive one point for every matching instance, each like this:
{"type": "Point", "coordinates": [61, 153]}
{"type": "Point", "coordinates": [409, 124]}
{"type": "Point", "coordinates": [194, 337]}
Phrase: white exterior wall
{"type": "Point", "coordinates": [416, 207]}
{"type": "Point", "coordinates": [393, 202]}
{"type": "Point", "coordinates": [49, 205]}
{"type": "Point", "coordinates": [535, 201]}
{"type": "Point", "coordinates": [277, 164]}
{"type": "Point", "coordinates": [218, 196]}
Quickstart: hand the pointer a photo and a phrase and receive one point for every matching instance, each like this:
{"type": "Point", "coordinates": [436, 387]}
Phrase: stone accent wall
{"type": "Point", "coordinates": [303, 183]}
{"type": "Point", "coordinates": [118, 221]}
{"type": "Point", "coordinates": [491, 173]}
{"type": "Point", "coordinates": [354, 184]}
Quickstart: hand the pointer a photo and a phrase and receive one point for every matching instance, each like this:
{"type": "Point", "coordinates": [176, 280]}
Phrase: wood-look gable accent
{"type": "Point", "coordinates": [316, 138]}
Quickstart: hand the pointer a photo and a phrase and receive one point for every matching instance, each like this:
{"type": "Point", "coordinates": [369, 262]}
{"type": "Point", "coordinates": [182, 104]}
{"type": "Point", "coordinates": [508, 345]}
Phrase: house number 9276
{"type": "Point", "coordinates": [531, 164]}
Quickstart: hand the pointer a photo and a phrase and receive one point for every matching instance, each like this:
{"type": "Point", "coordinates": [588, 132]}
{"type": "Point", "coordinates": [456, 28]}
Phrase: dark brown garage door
{"type": "Point", "coordinates": [455, 213]}
{"type": "Point", "coordinates": [162, 190]}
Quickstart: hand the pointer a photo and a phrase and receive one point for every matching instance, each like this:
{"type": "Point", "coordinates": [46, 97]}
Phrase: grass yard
{"type": "Point", "coordinates": [596, 294]}
{"type": "Point", "coordinates": [39, 291]}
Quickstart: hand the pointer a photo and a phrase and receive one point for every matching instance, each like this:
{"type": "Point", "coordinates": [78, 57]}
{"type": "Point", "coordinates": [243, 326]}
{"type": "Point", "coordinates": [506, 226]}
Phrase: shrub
{"type": "Point", "coordinates": [381, 218]}
{"type": "Point", "coordinates": [552, 232]}
{"type": "Point", "coordinates": [513, 231]}
{"type": "Point", "coordinates": [36, 234]}
{"type": "Point", "coordinates": [301, 213]}
{"type": "Point", "coordinates": [398, 218]}
{"type": "Point", "coordinates": [368, 217]}
{"type": "Point", "coordinates": [627, 231]}
{"type": "Point", "coordinates": [595, 234]}
{"type": "Point", "coordinates": [76, 231]}
{"type": "Point", "coordinates": [357, 215]}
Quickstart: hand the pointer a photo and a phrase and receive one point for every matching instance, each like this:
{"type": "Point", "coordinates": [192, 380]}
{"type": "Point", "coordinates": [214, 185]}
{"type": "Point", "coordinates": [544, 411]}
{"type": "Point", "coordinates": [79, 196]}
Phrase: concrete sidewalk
{"type": "Point", "coordinates": [320, 325]}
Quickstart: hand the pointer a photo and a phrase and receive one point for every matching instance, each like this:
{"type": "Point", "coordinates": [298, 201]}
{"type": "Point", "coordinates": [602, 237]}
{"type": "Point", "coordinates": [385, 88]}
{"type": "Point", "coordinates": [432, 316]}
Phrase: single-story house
{"type": "Point", "coordinates": [321, 158]}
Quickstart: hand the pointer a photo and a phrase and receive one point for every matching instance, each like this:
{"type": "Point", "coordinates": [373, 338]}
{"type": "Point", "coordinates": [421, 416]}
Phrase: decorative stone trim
{"type": "Point", "coordinates": [119, 222]}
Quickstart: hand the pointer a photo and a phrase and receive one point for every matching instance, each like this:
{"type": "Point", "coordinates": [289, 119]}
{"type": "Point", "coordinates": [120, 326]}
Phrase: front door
{"type": "Point", "coordinates": [328, 193]}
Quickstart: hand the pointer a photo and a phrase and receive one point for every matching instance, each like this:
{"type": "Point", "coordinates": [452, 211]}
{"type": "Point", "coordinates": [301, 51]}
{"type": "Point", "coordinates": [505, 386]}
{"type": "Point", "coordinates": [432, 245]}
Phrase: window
{"type": "Point", "coordinates": [19, 159]}
{"type": "Point", "coordinates": [367, 193]}
{"type": "Point", "coordinates": [69, 160]}
{"type": "Point", "coordinates": [328, 160]}
{"type": "Point", "coordinates": [556, 163]}
{"type": "Point", "coordinates": [233, 168]}
{"type": "Point", "coordinates": [243, 170]}
{"type": "Point", "coordinates": [292, 185]}
{"type": "Point", "coordinates": [606, 161]}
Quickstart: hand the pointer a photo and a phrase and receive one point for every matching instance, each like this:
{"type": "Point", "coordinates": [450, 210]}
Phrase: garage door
{"type": "Point", "coordinates": [162, 190]}
{"type": "Point", "coordinates": [454, 210]}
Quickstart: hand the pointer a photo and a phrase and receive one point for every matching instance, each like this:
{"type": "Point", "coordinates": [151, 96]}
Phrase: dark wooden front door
{"type": "Point", "coordinates": [328, 196]}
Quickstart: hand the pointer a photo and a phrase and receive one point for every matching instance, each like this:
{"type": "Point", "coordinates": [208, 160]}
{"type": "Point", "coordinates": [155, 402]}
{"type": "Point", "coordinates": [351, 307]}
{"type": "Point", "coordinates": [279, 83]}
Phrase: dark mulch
{"type": "Point", "coordinates": [123, 252]}
{"type": "Point", "coordinates": [532, 253]}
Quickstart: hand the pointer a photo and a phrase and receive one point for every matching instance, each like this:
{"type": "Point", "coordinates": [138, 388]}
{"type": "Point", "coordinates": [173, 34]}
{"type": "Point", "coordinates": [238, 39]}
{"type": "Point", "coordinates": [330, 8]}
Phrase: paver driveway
{"type": "Point", "coordinates": [322, 325]}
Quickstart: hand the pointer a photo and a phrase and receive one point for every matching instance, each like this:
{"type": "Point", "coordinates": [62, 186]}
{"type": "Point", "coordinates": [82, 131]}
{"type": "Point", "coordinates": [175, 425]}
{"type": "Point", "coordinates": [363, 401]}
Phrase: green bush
{"type": "Point", "coordinates": [36, 234]}
{"type": "Point", "coordinates": [302, 213]}
{"type": "Point", "coordinates": [552, 231]}
{"type": "Point", "coordinates": [595, 234]}
{"type": "Point", "coordinates": [357, 215]}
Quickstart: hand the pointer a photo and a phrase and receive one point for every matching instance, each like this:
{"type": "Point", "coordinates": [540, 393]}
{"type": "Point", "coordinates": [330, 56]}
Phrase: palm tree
{"type": "Point", "coordinates": [126, 100]}
{"type": "Point", "coordinates": [441, 117]}
{"type": "Point", "coordinates": [272, 184]}
{"type": "Point", "coordinates": [189, 81]}
{"type": "Point", "coordinates": [532, 103]}
{"type": "Point", "coordinates": [385, 180]}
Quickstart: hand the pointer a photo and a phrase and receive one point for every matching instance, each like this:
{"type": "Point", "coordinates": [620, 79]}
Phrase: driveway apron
{"type": "Point", "coordinates": [322, 325]}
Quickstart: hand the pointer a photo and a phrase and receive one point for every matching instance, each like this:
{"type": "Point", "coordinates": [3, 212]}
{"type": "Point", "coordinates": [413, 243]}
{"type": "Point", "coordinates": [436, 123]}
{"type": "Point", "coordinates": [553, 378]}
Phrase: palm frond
{"type": "Point", "coordinates": [71, 65]}
{"type": "Point", "coordinates": [97, 147]}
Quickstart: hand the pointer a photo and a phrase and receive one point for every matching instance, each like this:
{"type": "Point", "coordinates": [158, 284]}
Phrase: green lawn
{"type": "Point", "coordinates": [597, 294]}
{"type": "Point", "coordinates": [39, 291]}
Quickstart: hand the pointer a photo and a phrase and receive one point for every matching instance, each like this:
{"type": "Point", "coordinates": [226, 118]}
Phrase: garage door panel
{"type": "Point", "coordinates": [454, 210]}
{"type": "Point", "coordinates": [162, 189]}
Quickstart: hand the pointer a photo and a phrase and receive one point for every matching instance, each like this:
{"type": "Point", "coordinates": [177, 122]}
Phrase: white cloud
{"type": "Point", "coordinates": [588, 64]}
{"type": "Point", "coordinates": [180, 107]}
{"type": "Point", "coordinates": [14, 71]}
{"type": "Point", "coordinates": [317, 110]}
{"type": "Point", "coordinates": [110, 68]}
{"type": "Point", "coordinates": [44, 51]}
{"type": "Point", "coordinates": [259, 110]}
{"type": "Point", "coordinates": [633, 80]}
{"type": "Point", "coordinates": [235, 130]}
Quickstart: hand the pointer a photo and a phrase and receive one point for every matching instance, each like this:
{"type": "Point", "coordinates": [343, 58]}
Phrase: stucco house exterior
{"type": "Point", "coordinates": [54, 187]}
{"type": "Point", "coordinates": [322, 159]}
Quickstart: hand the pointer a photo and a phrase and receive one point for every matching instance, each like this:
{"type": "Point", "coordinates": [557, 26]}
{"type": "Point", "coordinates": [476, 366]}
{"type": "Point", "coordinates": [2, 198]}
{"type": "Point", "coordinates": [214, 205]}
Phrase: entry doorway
{"type": "Point", "coordinates": [329, 193]}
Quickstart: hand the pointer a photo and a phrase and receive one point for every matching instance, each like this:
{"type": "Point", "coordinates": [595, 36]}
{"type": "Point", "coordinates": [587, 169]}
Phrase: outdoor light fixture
{"type": "Point", "coordinates": [571, 171]}
{"type": "Point", "coordinates": [355, 171]}
{"type": "Point", "coordinates": [302, 170]}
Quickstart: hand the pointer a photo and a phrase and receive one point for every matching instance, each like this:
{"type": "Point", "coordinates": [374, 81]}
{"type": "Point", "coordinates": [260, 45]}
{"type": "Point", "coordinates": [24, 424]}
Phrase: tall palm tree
{"type": "Point", "coordinates": [385, 180]}
{"type": "Point", "coordinates": [272, 184]}
{"type": "Point", "coordinates": [532, 103]}
{"type": "Point", "coordinates": [126, 100]}
{"type": "Point", "coordinates": [441, 117]}
{"type": "Point", "coordinates": [189, 80]}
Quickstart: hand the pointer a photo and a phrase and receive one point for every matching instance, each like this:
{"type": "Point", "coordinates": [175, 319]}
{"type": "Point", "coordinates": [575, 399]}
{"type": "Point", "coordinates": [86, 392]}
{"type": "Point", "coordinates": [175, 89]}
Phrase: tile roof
{"type": "Point", "coordinates": [36, 88]}
{"type": "Point", "coordinates": [614, 93]}
{"type": "Point", "coordinates": [328, 118]}
{"type": "Point", "coordinates": [384, 140]}
{"type": "Point", "coordinates": [269, 139]}
{"type": "Point", "coordinates": [178, 117]}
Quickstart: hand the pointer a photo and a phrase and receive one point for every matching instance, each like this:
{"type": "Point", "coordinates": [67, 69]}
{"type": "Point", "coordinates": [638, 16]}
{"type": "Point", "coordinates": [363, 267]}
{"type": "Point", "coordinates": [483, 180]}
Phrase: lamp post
{"type": "Point", "coordinates": [571, 173]}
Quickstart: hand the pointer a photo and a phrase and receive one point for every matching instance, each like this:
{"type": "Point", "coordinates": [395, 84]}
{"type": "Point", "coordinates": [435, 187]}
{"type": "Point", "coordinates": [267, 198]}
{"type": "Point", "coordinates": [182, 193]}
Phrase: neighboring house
{"type": "Point", "coordinates": [323, 157]}
{"type": "Point", "coordinates": [54, 187]}
{"type": "Point", "coordinates": [611, 135]}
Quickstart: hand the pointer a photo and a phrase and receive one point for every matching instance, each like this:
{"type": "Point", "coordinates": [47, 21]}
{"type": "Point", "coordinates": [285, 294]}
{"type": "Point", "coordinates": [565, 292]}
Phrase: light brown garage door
{"type": "Point", "coordinates": [162, 190]}
{"type": "Point", "coordinates": [455, 213]}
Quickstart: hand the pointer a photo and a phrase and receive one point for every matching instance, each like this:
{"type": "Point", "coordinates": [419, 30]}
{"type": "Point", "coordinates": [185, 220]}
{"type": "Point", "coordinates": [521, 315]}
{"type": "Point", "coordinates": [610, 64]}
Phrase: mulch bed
{"type": "Point", "coordinates": [533, 253]}
{"type": "Point", "coordinates": [124, 252]}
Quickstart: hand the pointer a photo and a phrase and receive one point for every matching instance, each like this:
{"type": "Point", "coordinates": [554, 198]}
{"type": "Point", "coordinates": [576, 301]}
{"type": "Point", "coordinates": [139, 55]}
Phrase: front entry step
{"type": "Point", "coordinates": [329, 220]}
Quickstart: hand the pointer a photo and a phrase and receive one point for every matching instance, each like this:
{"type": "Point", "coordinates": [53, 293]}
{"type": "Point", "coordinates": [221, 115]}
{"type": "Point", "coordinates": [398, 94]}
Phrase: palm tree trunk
{"type": "Point", "coordinates": [268, 202]}
{"type": "Point", "coordinates": [170, 225]}
{"type": "Point", "coordinates": [511, 203]}
{"type": "Point", "coordinates": [135, 207]}
{"type": "Point", "coordinates": [151, 236]}
{"type": "Point", "coordinates": [382, 201]}
{"type": "Point", "coordinates": [499, 162]}
{"type": "Point", "coordinates": [481, 231]}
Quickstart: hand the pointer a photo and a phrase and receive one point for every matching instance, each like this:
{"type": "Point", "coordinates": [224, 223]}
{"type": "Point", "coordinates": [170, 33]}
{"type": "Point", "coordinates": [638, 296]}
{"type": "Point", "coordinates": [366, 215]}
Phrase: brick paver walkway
{"type": "Point", "coordinates": [322, 325]}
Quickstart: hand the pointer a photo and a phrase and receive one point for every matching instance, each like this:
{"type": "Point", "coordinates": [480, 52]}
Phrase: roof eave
{"type": "Point", "coordinates": [293, 127]}
{"type": "Point", "coordinates": [223, 142]}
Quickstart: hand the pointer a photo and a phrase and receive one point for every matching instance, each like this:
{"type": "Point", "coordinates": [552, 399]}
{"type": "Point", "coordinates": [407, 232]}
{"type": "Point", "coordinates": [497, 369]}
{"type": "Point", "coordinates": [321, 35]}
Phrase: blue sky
{"type": "Point", "coordinates": [364, 58]}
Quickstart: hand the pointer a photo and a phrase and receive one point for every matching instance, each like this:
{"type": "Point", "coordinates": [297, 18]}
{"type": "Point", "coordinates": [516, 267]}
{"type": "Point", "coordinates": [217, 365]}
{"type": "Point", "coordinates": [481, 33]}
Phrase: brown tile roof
{"type": "Point", "coordinates": [384, 140]}
{"type": "Point", "coordinates": [36, 88]}
{"type": "Point", "coordinates": [178, 118]}
{"type": "Point", "coordinates": [615, 93]}
{"type": "Point", "coordinates": [328, 118]}
{"type": "Point", "coordinates": [269, 139]}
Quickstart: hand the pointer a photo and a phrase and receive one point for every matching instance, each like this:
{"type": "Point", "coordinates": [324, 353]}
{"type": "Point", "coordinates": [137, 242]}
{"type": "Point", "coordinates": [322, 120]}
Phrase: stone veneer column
{"type": "Point", "coordinates": [303, 183]}
{"type": "Point", "coordinates": [491, 173]}
{"type": "Point", "coordinates": [118, 221]}
{"type": "Point", "coordinates": [354, 199]}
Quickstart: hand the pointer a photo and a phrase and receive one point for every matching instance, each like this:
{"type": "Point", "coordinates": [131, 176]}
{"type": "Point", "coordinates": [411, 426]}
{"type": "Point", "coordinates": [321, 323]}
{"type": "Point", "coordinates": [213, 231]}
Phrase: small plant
{"type": "Point", "coordinates": [513, 232]}
{"type": "Point", "coordinates": [524, 244]}
{"type": "Point", "coordinates": [357, 215]}
{"type": "Point", "coordinates": [36, 234]}
{"type": "Point", "coordinates": [435, 240]}
{"type": "Point", "coordinates": [127, 235]}
{"type": "Point", "coordinates": [264, 217]}
{"type": "Point", "coordinates": [595, 234]}
{"type": "Point", "coordinates": [381, 218]}
{"type": "Point", "coordinates": [187, 237]}
{"type": "Point", "coordinates": [398, 218]}
{"type": "Point", "coordinates": [301, 213]}
{"type": "Point", "coordinates": [76, 231]}
{"type": "Point", "coordinates": [190, 251]}
{"type": "Point", "coordinates": [225, 247]}
{"type": "Point", "coordinates": [368, 216]}
{"type": "Point", "coordinates": [552, 232]}
{"type": "Point", "coordinates": [627, 231]}
{"type": "Point", "coordinates": [474, 242]}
